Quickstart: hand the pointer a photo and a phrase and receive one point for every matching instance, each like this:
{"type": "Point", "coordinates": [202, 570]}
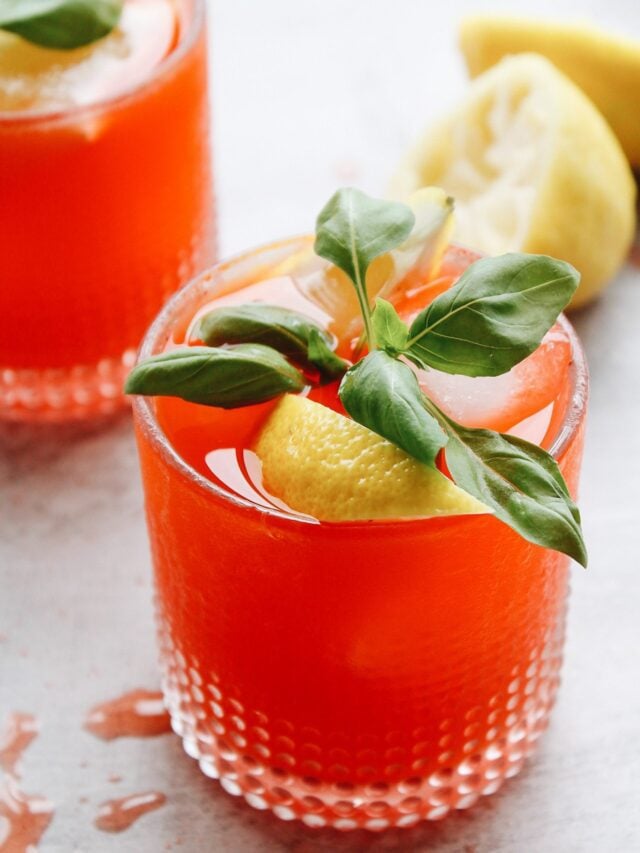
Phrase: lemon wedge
{"type": "Point", "coordinates": [605, 67]}
{"type": "Point", "coordinates": [323, 464]}
{"type": "Point", "coordinates": [330, 288]}
{"type": "Point", "coordinates": [533, 167]}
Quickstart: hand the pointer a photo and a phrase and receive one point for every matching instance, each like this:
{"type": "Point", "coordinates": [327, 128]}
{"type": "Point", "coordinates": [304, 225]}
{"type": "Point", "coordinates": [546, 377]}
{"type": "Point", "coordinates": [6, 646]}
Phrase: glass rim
{"type": "Point", "coordinates": [144, 411]}
{"type": "Point", "coordinates": [58, 114]}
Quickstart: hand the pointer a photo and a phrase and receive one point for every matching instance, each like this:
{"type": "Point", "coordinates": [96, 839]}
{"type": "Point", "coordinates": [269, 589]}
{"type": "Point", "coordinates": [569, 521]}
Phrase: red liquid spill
{"type": "Point", "coordinates": [19, 731]}
{"type": "Point", "coordinates": [23, 818]}
{"type": "Point", "coordinates": [140, 713]}
{"type": "Point", "coordinates": [118, 815]}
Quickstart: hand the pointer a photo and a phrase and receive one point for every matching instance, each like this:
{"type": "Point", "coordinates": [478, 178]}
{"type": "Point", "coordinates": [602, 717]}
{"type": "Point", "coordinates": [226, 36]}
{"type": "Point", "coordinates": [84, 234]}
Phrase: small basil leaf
{"type": "Point", "coordinates": [383, 394]}
{"type": "Point", "coordinates": [323, 357]}
{"type": "Point", "coordinates": [495, 316]}
{"type": "Point", "coordinates": [390, 332]}
{"type": "Point", "coordinates": [521, 482]}
{"type": "Point", "coordinates": [256, 322]}
{"type": "Point", "coordinates": [60, 24]}
{"type": "Point", "coordinates": [287, 331]}
{"type": "Point", "coordinates": [353, 229]}
{"type": "Point", "coordinates": [227, 377]}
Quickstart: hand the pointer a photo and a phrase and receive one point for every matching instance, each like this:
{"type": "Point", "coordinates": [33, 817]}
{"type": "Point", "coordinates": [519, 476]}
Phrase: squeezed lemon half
{"type": "Point", "coordinates": [533, 167]}
{"type": "Point", "coordinates": [605, 67]}
{"type": "Point", "coordinates": [324, 464]}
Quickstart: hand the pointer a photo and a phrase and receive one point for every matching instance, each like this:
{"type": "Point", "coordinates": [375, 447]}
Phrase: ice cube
{"type": "Point", "coordinates": [502, 402]}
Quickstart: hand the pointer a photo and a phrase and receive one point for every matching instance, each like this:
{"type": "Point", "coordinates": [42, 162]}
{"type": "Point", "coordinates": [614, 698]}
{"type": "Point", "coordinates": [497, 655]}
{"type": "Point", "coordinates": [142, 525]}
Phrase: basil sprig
{"type": "Point", "coordinates": [352, 230]}
{"type": "Point", "coordinates": [228, 377]}
{"type": "Point", "coordinates": [494, 316]}
{"type": "Point", "coordinates": [291, 333]}
{"type": "Point", "coordinates": [490, 320]}
{"type": "Point", "coordinates": [521, 482]}
{"type": "Point", "coordinates": [60, 24]}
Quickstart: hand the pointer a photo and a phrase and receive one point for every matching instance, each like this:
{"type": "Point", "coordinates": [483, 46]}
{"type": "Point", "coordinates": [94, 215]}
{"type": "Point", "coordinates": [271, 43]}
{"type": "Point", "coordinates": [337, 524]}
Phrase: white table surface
{"type": "Point", "coordinates": [309, 95]}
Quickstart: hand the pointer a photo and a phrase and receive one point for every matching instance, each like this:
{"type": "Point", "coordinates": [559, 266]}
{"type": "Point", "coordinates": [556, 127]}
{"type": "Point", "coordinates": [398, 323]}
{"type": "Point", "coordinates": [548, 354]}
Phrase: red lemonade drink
{"type": "Point", "coordinates": [363, 673]}
{"type": "Point", "coordinates": [106, 202]}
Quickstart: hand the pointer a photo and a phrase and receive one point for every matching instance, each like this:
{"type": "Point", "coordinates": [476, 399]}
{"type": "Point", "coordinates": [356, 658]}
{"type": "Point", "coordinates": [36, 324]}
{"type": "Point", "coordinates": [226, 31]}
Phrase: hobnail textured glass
{"type": "Point", "coordinates": [357, 674]}
{"type": "Point", "coordinates": [277, 765]}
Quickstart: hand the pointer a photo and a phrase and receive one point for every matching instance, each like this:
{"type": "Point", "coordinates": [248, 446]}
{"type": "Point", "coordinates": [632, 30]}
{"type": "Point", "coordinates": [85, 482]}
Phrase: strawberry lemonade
{"type": "Point", "coordinates": [106, 202]}
{"type": "Point", "coordinates": [364, 664]}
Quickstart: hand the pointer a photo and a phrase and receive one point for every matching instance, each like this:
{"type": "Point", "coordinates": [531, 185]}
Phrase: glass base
{"type": "Point", "coordinates": [57, 395]}
{"type": "Point", "coordinates": [247, 752]}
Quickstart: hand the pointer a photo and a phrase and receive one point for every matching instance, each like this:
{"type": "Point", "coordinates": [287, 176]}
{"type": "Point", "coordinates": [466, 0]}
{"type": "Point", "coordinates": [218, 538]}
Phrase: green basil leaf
{"type": "Point", "coordinates": [390, 332]}
{"type": "Point", "coordinates": [323, 357]}
{"type": "Point", "coordinates": [494, 316]}
{"type": "Point", "coordinates": [291, 333]}
{"type": "Point", "coordinates": [383, 394]}
{"type": "Point", "coordinates": [353, 229]}
{"type": "Point", "coordinates": [521, 482]}
{"type": "Point", "coordinates": [228, 377]}
{"type": "Point", "coordinates": [60, 24]}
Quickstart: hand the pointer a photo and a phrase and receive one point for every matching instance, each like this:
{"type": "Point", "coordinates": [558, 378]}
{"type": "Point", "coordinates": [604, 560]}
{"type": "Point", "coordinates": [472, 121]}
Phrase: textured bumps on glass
{"type": "Point", "coordinates": [59, 394]}
{"type": "Point", "coordinates": [50, 395]}
{"type": "Point", "coordinates": [326, 781]}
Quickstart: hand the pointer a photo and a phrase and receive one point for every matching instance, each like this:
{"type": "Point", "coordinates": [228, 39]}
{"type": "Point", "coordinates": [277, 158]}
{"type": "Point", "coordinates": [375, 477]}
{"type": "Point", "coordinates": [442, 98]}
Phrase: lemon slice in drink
{"type": "Point", "coordinates": [330, 288]}
{"type": "Point", "coordinates": [324, 464]}
{"type": "Point", "coordinates": [533, 167]}
{"type": "Point", "coordinates": [605, 67]}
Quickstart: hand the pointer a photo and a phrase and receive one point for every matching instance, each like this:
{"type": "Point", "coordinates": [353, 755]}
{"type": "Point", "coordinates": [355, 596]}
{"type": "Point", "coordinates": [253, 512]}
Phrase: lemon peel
{"type": "Point", "coordinates": [321, 463]}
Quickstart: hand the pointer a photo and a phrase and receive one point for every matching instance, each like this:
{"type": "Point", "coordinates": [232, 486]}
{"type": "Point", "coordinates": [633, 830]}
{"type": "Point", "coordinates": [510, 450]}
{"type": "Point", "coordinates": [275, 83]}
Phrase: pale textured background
{"type": "Point", "coordinates": [308, 95]}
